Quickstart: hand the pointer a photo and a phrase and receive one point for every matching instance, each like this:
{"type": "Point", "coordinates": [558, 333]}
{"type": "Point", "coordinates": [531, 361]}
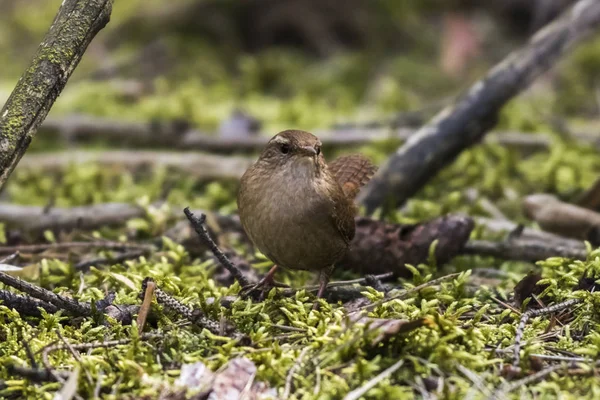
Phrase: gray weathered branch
{"type": "Point", "coordinates": [178, 135]}
{"type": "Point", "coordinates": [465, 123]}
{"type": "Point", "coordinates": [200, 166]}
{"type": "Point", "coordinates": [72, 30]}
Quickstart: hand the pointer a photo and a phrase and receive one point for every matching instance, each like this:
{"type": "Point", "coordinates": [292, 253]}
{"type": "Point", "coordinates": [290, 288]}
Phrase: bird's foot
{"type": "Point", "coordinates": [260, 289]}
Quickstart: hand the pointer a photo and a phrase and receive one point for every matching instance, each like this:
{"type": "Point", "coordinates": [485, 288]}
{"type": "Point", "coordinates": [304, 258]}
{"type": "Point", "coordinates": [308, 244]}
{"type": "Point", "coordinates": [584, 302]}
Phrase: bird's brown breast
{"type": "Point", "coordinates": [295, 219]}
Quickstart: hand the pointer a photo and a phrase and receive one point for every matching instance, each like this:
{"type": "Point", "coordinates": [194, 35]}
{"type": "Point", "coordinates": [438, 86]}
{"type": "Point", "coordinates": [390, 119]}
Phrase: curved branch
{"type": "Point", "coordinates": [464, 124]}
{"type": "Point", "coordinates": [74, 27]}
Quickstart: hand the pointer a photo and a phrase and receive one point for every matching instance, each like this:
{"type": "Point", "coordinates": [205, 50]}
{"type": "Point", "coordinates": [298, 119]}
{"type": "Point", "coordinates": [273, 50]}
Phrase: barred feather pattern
{"type": "Point", "coordinates": [352, 172]}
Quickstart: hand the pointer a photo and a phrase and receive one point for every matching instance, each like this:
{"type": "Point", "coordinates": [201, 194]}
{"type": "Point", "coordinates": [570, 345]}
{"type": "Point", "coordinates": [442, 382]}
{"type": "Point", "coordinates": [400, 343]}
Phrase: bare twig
{"type": "Point", "coordinates": [292, 371]}
{"type": "Point", "coordinates": [523, 250]}
{"type": "Point", "coordinates": [38, 375]}
{"type": "Point", "coordinates": [73, 28]}
{"type": "Point", "coordinates": [178, 135]}
{"type": "Point", "coordinates": [72, 306]}
{"type": "Point", "coordinates": [104, 244]}
{"type": "Point", "coordinates": [464, 124]}
{"type": "Point", "coordinates": [198, 224]}
{"type": "Point", "coordinates": [501, 393]}
{"type": "Point", "coordinates": [85, 265]}
{"type": "Point", "coordinates": [406, 292]}
{"type": "Point", "coordinates": [87, 346]}
{"type": "Point", "coordinates": [361, 391]}
{"type": "Point", "coordinates": [536, 313]}
{"type": "Point", "coordinates": [498, 226]}
{"type": "Point", "coordinates": [36, 219]}
{"type": "Point", "coordinates": [26, 305]}
{"type": "Point", "coordinates": [200, 166]}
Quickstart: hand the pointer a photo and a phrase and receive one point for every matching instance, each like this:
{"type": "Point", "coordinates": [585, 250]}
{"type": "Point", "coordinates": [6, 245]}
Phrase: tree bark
{"type": "Point", "coordinates": [464, 124]}
{"type": "Point", "coordinates": [72, 30]}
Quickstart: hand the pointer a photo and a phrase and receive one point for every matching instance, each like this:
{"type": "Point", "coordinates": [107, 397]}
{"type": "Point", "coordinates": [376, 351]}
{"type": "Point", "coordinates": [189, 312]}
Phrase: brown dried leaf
{"type": "Point", "coordinates": [527, 288]}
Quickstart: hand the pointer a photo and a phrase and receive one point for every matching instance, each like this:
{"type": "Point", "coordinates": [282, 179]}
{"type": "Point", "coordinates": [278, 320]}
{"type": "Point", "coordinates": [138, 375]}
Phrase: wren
{"type": "Point", "coordinates": [298, 210]}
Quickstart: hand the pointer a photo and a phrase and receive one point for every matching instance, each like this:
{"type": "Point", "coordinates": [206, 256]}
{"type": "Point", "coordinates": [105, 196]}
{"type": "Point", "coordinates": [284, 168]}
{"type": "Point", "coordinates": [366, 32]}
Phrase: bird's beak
{"type": "Point", "coordinates": [309, 150]}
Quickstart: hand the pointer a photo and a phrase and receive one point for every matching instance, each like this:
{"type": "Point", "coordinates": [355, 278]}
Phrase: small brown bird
{"type": "Point", "coordinates": [296, 209]}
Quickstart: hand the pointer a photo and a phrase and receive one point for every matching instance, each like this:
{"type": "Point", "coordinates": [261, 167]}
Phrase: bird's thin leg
{"type": "Point", "coordinates": [267, 281]}
{"type": "Point", "coordinates": [324, 276]}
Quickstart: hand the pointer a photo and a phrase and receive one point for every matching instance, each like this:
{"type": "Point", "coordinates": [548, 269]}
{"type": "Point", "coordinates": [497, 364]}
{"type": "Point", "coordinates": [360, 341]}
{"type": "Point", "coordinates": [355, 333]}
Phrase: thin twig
{"type": "Point", "coordinates": [198, 224]}
{"type": "Point", "coordinates": [290, 375]}
{"type": "Point", "coordinates": [406, 292]}
{"type": "Point", "coordinates": [501, 393]}
{"type": "Point", "coordinates": [87, 346]}
{"type": "Point", "coordinates": [523, 250]}
{"type": "Point", "coordinates": [70, 305]}
{"type": "Point", "coordinates": [464, 123]}
{"type": "Point", "coordinates": [359, 392]}
{"type": "Point", "coordinates": [109, 245]}
{"type": "Point", "coordinates": [536, 313]}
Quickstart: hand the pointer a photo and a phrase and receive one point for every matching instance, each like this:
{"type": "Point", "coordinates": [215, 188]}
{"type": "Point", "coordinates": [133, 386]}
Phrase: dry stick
{"type": "Point", "coordinates": [25, 305]}
{"type": "Point", "coordinates": [464, 124]}
{"type": "Point", "coordinates": [73, 28]}
{"type": "Point", "coordinates": [36, 219]}
{"type": "Point", "coordinates": [84, 266]}
{"type": "Point", "coordinates": [145, 308]}
{"type": "Point", "coordinates": [87, 346]}
{"type": "Point", "coordinates": [522, 250]}
{"type": "Point", "coordinates": [109, 245]}
{"type": "Point", "coordinates": [38, 375]}
{"type": "Point", "coordinates": [358, 393]}
{"type": "Point", "coordinates": [504, 226]}
{"type": "Point", "coordinates": [500, 394]}
{"type": "Point", "coordinates": [72, 306]}
{"type": "Point", "coordinates": [292, 371]}
{"type": "Point", "coordinates": [198, 224]}
{"type": "Point", "coordinates": [536, 313]}
{"type": "Point", "coordinates": [176, 135]}
{"type": "Point", "coordinates": [406, 292]}
{"type": "Point", "coordinates": [199, 166]}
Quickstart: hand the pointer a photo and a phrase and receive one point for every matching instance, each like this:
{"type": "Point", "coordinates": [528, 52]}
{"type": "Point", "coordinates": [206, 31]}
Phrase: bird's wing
{"type": "Point", "coordinates": [352, 172]}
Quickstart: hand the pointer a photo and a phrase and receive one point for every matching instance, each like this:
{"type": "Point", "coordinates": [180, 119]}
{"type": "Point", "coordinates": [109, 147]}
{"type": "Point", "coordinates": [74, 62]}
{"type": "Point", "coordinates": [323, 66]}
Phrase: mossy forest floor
{"type": "Point", "coordinates": [465, 347]}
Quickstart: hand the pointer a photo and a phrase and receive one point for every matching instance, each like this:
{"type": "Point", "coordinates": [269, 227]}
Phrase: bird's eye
{"type": "Point", "coordinates": [285, 148]}
{"type": "Point", "coordinates": [318, 148]}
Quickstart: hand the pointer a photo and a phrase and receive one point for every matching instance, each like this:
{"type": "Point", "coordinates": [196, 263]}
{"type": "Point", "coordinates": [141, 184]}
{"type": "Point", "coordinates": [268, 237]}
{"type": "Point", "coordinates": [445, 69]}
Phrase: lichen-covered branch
{"type": "Point", "coordinates": [74, 27]}
{"type": "Point", "coordinates": [463, 124]}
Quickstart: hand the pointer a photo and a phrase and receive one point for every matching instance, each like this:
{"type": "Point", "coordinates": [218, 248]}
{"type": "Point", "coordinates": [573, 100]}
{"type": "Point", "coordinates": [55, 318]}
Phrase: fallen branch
{"type": "Point", "coordinates": [562, 218]}
{"type": "Point", "coordinates": [505, 226]}
{"type": "Point", "coordinates": [34, 219]}
{"type": "Point", "coordinates": [73, 28]}
{"type": "Point", "coordinates": [25, 305]}
{"type": "Point", "coordinates": [523, 250]}
{"type": "Point", "coordinates": [532, 313]}
{"type": "Point", "coordinates": [103, 244]}
{"type": "Point", "coordinates": [465, 123]}
{"type": "Point", "coordinates": [178, 135]}
{"type": "Point", "coordinates": [198, 224]}
{"type": "Point", "coordinates": [88, 346]}
{"type": "Point", "coordinates": [70, 305]}
{"type": "Point", "coordinates": [200, 166]}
